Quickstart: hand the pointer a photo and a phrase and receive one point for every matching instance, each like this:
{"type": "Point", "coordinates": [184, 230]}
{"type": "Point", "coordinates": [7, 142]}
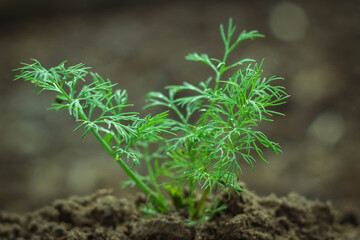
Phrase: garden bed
{"type": "Point", "coordinates": [248, 216]}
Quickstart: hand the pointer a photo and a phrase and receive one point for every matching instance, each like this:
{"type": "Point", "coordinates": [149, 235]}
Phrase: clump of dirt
{"type": "Point", "coordinates": [248, 216]}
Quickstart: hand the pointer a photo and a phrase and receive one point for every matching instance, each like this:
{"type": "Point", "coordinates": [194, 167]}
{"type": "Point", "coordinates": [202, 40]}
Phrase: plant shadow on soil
{"type": "Point", "coordinates": [248, 216]}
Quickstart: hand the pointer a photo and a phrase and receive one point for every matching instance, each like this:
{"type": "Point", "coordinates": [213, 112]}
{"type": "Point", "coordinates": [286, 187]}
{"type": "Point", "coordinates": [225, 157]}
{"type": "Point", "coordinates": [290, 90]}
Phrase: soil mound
{"type": "Point", "coordinates": [248, 216]}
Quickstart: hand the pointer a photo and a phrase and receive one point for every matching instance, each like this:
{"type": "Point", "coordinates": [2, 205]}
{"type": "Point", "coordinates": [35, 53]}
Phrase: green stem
{"type": "Point", "coordinates": [127, 170]}
{"type": "Point", "coordinates": [161, 202]}
{"type": "Point", "coordinates": [151, 173]}
{"type": "Point", "coordinates": [219, 73]}
{"type": "Point", "coordinates": [222, 69]}
{"type": "Point", "coordinates": [191, 197]}
{"type": "Point", "coordinates": [181, 116]}
{"type": "Point", "coordinates": [201, 203]}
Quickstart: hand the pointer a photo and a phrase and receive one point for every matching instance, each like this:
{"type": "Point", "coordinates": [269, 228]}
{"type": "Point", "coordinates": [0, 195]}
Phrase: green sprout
{"type": "Point", "coordinates": [214, 132]}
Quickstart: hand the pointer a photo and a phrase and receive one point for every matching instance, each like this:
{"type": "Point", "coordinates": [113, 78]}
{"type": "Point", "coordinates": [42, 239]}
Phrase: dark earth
{"type": "Point", "coordinates": [247, 216]}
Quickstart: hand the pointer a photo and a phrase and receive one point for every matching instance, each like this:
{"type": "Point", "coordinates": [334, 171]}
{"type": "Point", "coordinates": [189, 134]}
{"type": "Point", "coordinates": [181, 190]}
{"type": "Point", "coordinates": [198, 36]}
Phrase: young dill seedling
{"type": "Point", "coordinates": [204, 147]}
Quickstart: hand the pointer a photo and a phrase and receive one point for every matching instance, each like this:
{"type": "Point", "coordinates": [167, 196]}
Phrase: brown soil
{"type": "Point", "coordinates": [248, 216]}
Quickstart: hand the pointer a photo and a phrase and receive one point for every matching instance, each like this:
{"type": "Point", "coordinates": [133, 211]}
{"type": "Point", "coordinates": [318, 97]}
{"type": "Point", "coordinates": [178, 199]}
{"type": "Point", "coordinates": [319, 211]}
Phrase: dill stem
{"type": "Point", "coordinates": [128, 171]}
{"type": "Point", "coordinates": [191, 197]}
{"type": "Point", "coordinates": [151, 173]}
{"type": "Point", "coordinates": [160, 201]}
{"type": "Point", "coordinates": [201, 203]}
{"type": "Point", "coordinates": [181, 116]}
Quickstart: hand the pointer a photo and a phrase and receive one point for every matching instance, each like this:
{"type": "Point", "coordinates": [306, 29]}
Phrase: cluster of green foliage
{"type": "Point", "coordinates": [202, 148]}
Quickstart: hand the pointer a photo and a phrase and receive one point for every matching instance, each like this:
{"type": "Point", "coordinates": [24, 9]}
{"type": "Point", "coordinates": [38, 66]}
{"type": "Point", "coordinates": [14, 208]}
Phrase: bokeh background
{"type": "Point", "coordinates": [141, 46]}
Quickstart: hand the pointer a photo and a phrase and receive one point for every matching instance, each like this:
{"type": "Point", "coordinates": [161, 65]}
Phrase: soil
{"type": "Point", "coordinates": [248, 216]}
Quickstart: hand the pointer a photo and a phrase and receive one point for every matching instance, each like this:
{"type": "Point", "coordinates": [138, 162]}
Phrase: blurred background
{"type": "Point", "coordinates": [141, 46]}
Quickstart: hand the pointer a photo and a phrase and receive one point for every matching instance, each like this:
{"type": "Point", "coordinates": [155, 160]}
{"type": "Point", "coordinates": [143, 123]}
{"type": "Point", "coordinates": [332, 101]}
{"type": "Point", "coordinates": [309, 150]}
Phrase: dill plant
{"type": "Point", "coordinates": [202, 148]}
